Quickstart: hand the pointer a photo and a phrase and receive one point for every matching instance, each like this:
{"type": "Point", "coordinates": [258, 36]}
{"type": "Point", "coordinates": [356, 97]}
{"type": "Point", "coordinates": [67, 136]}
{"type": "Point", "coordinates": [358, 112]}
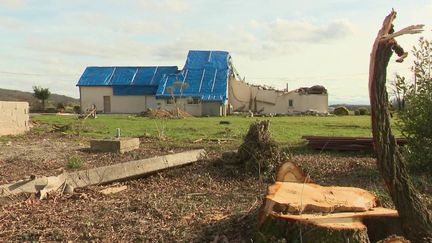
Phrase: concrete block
{"type": "Point", "coordinates": [115, 145]}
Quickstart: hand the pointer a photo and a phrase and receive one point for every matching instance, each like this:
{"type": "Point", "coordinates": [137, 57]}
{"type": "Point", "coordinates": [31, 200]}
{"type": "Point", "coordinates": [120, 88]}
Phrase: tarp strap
{"type": "Point", "coordinates": [214, 80]}
{"type": "Point", "coordinates": [109, 79]}
{"type": "Point", "coordinates": [133, 78]}
{"type": "Point", "coordinates": [181, 88]}
{"type": "Point", "coordinates": [154, 74]}
{"type": "Point", "coordinates": [164, 86]}
{"type": "Point", "coordinates": [202, 79]}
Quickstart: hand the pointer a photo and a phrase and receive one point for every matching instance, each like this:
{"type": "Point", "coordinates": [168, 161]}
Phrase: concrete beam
{"type": "Point", "coordinates": [101, 175]}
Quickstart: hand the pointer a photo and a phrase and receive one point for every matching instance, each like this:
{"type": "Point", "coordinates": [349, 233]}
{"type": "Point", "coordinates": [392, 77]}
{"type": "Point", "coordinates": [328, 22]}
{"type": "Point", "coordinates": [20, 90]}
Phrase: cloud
{"type": "Point", "coordinates": [10, 23]}
{"type": "Point", "coordinates": [12, 4]}
{"type": "Point", "coordinates": [96, 22]}
{"type": "Point", "coordinates": [282, 30]}
{"type": "Point", "coordinates": [175, 6]}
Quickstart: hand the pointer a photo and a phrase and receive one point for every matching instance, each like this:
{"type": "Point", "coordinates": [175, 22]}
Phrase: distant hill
{"type": "Point", "coordinates": [53, 100]}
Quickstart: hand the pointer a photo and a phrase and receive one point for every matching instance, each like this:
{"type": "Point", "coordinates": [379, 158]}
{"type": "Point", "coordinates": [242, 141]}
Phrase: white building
{"type": "Point", "coordinates": [205, 86]}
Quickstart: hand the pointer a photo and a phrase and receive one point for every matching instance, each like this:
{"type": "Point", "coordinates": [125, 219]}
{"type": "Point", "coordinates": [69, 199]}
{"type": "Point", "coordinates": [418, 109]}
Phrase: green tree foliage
{"type": "Point", "coordinates": [416, 118]}
{"type": "Point", "coordinates": [341, 111]}
{"type": "Point", "coordinates": [41, 94]}
{"type": "Point", "coordinates": [363, 111]}
{"type": "Point", "coordinates": [399, 89]}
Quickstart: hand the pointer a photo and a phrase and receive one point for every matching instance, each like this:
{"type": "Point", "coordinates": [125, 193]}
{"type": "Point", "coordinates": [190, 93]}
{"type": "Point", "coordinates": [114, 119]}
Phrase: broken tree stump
{"type": "Point", "coordinates": [294, 207]}
{"type": "Point", "coordinates": [415, 216]}
{"type": "Point", "coordinates": [101, 175]}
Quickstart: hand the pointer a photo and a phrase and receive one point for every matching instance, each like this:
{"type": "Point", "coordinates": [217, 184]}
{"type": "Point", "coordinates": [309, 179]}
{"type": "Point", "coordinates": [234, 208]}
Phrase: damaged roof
{"type": "Point", "coordinates": [204, 76]}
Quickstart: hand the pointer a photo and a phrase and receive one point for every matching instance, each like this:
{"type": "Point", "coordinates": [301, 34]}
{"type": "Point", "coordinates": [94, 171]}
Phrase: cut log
{"type": "Point", "coordinates": [101, 175]}
{"type": "Point", "coordinates": [334, 214]}
{"type": "Point", "coordinates": [298, 198]}
{"type": "Point", "coordinates": [290, 172]}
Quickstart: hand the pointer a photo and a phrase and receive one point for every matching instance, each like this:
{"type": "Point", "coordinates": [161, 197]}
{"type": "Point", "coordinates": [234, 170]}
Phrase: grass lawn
{"type": "Point", "coordinates": [286, 130]}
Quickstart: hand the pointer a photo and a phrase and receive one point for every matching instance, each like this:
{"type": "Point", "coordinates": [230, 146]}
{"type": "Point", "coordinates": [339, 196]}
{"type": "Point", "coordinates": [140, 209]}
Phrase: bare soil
{"type": "Point", "coordinates": [207, 201]}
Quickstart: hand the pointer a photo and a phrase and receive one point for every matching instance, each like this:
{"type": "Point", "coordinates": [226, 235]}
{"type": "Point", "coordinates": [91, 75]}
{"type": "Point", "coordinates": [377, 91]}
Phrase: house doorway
{"type": "Point", "coordinates": [107, 104]}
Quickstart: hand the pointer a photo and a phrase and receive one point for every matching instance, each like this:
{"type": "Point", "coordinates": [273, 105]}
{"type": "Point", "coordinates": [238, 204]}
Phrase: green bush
{"type": "Point", "coordinates": [341, 111]}
{"type": "Point", "coordinates": [363, 111]}
{"type": "Point", "coordinates": [357, 112]}
{"type": "Point", "coordinates": [416, 119]}
{"type": "Point", "coordinates": [77, 109]}
{"type": "Point", "coordinates": [74, 162]}
{"type": "Point", "coordinates": [60, 106]}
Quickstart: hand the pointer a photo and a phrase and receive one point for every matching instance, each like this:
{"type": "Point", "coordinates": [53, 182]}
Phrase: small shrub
{"type": "Point", "coordinates": [77, 109]}
{"type": "Point", "coordinates": [363, 111]}
{"type": "Point", "coordinates": [60, 106]}
{"type": "Point", "coordinates": [341, 111]}
{"type": "Point", "coordinates": [51, 110]}
{"type": "Point", "coordinates": [74, 162]}
{"type": "Point", "coordinates": [357, 112]}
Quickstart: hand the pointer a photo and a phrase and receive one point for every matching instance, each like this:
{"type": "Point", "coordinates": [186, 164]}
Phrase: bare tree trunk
{"type": "Point", "coordinates": [415, 217]}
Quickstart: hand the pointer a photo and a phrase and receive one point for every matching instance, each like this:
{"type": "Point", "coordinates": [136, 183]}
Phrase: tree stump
{"type": "Point", "coordinates": [295, 208]}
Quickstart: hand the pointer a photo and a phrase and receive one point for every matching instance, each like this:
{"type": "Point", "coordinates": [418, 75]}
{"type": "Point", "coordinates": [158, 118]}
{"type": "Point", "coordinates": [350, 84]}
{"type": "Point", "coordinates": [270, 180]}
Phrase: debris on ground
{"type": "Point", "coordinates": [101, 175]}
{"type": "Point", "coordinates": [113, 190]}
{"type": "Point", "coordinates": [344, 143]}
{"type": "Point", "coordinates": [259, 153]}
{"type": "Point", "coordinates": [214, 140]}
{"type": "Point", "coordinates": [164, 113]}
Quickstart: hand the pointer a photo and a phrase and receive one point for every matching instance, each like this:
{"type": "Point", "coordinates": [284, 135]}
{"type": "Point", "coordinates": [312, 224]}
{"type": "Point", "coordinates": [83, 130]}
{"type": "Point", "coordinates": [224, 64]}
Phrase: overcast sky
{"type": "Point", "coordinates": [274, 42]}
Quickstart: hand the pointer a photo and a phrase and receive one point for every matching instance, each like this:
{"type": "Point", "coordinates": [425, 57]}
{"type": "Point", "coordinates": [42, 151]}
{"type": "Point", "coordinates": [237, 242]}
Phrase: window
{"type": "Point", "coordinates": [193, 101]}
{"type": "Point", "coordinates": [290, 103]}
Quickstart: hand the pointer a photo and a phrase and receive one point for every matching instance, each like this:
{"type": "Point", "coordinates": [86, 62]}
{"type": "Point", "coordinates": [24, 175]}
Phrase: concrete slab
{"type": "Point", "coordinates": [115, 145]}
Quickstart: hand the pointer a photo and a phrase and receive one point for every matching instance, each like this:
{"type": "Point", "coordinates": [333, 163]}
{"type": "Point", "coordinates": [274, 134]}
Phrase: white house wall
{"type": "Point", "coordinates": [242, 97]}
{"type": "Point", "coordinates": [119, 103]}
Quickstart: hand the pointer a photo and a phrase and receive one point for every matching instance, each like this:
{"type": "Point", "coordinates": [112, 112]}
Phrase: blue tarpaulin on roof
{"type": "Point", "coordinates": [205, 76]}
{"type": "Point", "coordinates": [111, 76]}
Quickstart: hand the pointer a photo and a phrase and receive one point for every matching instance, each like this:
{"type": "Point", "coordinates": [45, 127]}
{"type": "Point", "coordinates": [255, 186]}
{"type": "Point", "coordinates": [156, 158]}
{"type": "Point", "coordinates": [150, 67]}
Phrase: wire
{"type": "Point", "coordinates": [36, 74]}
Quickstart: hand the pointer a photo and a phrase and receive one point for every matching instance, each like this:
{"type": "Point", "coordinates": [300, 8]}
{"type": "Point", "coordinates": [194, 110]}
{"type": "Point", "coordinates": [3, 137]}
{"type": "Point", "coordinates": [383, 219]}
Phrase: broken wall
{"type": "Point", "coordinates": [14, 118]}
{"type": "Point", "coordinates": [244, 97]}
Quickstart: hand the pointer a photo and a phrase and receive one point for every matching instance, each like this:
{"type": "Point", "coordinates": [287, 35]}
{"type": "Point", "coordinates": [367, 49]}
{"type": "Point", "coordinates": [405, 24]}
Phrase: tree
{"type": "Point", "coordinates": [399, 88]}
{"type": "Point", "coordinates": [415, 120]}
{"type": "Point", "coordinates": [41, 94]}
{"type": "Point", "coordinates": [415, 217]}
{"type": "Point", "coordinates": [171, 90]}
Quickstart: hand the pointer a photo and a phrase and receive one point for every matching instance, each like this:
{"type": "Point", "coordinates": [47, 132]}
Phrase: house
{"type": "Point", "coordinates": [206, 85]}
{"type": "Point", "coordinates": [200, 88]}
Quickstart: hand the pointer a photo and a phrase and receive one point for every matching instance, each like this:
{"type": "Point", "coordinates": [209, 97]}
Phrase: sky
{"type": "Point", "coordinates": [275, 42]}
